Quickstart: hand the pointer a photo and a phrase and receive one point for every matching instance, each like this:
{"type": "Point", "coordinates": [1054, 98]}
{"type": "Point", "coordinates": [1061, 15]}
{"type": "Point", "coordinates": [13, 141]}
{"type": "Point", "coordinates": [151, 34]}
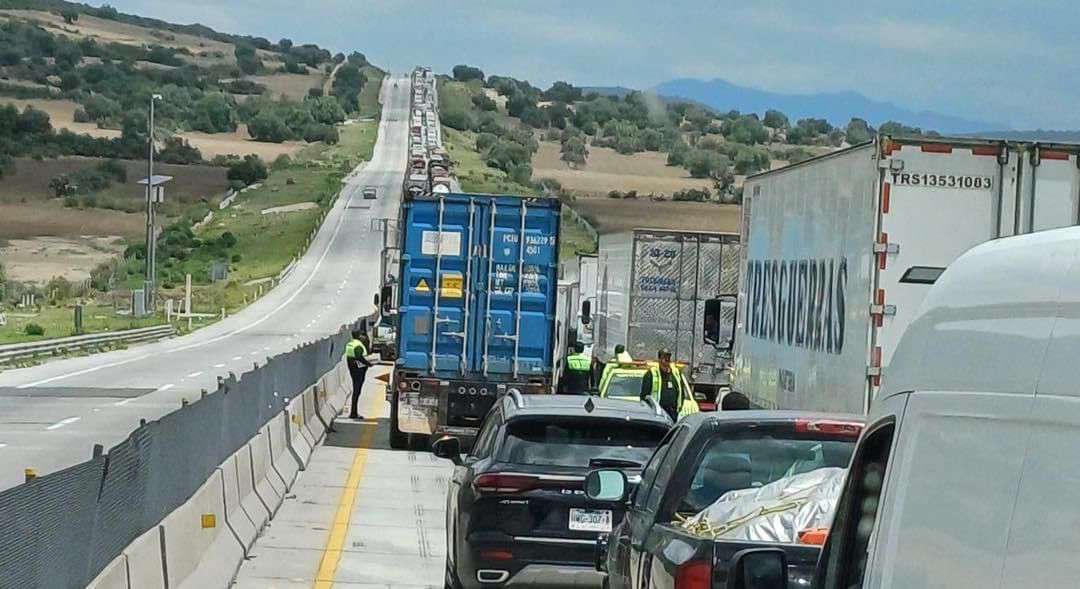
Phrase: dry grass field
{"type": "Point", "coordinates": [62, 115]}
{"type": "Point", "coordinates": [608, 215]}
{"type": "Point", "coordinates": [291, 86]}
{"type": "Point", "coordinates": [105, 30]}
{"type": "Point", "coordinates": [40, 258]}
{"type": "Point", "coordinates": [238, 143]}
{"type": "Point", "coordinates": [607, 170]}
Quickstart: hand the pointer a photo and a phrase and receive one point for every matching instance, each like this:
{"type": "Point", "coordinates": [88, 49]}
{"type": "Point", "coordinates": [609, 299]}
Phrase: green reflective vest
{"type": "Point", "coordinates": [579, 362]}
{"type": "Point", "coordinates": [684, 403]}
{"type": "Point", "coordinates": [352, 346]}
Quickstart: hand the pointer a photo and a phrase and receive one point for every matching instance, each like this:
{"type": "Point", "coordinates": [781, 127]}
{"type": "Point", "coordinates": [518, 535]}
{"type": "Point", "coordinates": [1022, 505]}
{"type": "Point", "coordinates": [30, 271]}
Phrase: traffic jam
{"type": "Point", "coordinates": [869, 385]}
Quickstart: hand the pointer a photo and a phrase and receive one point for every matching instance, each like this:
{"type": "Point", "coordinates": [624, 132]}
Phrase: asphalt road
{"type": "Point", "coordinates": [52, 415]}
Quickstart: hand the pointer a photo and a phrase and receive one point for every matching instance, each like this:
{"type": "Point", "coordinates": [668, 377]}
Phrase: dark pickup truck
{"type": "Point", "coordinates": [704, 457]}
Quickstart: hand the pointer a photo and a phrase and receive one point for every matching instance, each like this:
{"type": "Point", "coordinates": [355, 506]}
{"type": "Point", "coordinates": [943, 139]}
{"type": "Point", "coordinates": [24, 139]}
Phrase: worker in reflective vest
{"type": "Point", "coordinates": [356, 352]}
{"type": "Point", "coordinates": [577, 376]}
{"type": "Point", "coordinates": [667, 386]}
{"type": "Point", "coordinates": [621, 357]}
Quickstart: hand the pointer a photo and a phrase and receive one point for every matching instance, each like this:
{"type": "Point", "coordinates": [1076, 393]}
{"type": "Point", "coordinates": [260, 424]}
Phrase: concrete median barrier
{"type": "Point", "coordinates": [200, 550]}
{"type": "Point", "coordinates": [300, 442]}
{"type": "Point", "coordinates": [269, 485]}
{"type": "Point", "coordinates": [146, 561]}
{"type": "Point", "coordinates": [313, 424]}
{"type": "Point", "coordinates": [250, 502]}
{"type": "Point", "coordinates": [236, 518]}
{"type": "Point", "coordinates": [113, 577]}
{"type": "Point", "coordinates": [283, 459]}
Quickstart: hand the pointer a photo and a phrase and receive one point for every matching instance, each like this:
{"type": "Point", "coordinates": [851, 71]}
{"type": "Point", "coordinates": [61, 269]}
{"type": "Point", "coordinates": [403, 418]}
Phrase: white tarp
{"type": "Point", "coordinates": [776, 512]}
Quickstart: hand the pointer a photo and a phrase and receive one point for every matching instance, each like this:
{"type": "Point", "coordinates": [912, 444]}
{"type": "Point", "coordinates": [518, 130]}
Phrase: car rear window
{"type": "Point", "coordinates": [624, 385]}
{"type": "Point", "coordinates": [759, 456]}
{"type": "Point", "coordinates": [548, 442]}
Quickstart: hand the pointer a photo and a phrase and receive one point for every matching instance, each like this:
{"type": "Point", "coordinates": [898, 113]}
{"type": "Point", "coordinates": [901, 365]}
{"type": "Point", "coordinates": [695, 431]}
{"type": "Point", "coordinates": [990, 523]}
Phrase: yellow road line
{"type": "Point", "coordinates": [324, 578]}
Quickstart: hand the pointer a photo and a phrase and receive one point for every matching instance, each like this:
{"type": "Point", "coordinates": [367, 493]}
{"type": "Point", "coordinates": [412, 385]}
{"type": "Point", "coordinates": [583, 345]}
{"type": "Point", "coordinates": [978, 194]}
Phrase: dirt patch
{"type": "Point", "coordinates": [40, 258]}
{"type": "Point", "coordinates": [300, 206]}
{"type": "Point", "coordinates": [292, 86]}
{"type": "Point", "coordinates": [610, 215]}
{"type": "Point", "coordinates": [238, 143]}
{"type": "Point", "coordinates": [30, 182]}
{"type": "Point", "coordinates": [62, 116]}
{"type": "Point", "coordinates": [607, 170]}
{"type": "Point", "coordinates": [23, 221]}
{"type": "Point", "coordinates": [112, 31]}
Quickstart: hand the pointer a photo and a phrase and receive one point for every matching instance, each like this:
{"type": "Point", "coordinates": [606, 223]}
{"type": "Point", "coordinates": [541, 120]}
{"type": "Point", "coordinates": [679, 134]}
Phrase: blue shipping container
{"type": "Point", "coordinates": [473, 304]}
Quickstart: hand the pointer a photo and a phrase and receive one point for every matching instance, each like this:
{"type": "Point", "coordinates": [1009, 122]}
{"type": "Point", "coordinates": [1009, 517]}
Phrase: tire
{"type": "Point", "coordinates": [451, 577]}
{"type": "Point", "coordinates": [398, 439]}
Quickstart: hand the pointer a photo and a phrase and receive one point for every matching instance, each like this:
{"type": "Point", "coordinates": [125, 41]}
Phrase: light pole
{"type": "Point", "coordinates": [151, 238]}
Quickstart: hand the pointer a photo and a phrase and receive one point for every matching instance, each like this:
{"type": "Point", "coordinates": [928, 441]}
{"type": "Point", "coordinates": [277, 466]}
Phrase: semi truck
{"type": "Point", "coordinates": [476, 302]}
{"type": "Point", "coordinates": [840, 251]}
{"type": "Point", "coordinates": [669, 289]}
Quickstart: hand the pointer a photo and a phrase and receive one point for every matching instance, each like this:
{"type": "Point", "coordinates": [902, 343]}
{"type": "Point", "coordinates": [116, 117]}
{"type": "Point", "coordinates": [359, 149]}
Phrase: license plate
{"type": "Point", "coordinates": [429, 401]}
{"type": "Point", "coordinates": [590, 520]}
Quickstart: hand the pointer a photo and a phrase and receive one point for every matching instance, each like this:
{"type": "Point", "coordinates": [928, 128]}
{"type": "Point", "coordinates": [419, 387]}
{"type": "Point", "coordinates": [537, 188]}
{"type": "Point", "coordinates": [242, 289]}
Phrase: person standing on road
{"type": "Point", "coordinates": [621, 357]}
{"type": "Point", "coordinates": [356, 352]}
{"type": "Point", "coordinates": [667, 386]}
{"type": "Point", "coordinates": [577, 376]}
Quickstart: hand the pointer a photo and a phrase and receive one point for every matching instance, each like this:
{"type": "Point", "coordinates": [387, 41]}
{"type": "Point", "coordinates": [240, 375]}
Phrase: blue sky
{"type": "Point", "coordinates": [1013, 62]}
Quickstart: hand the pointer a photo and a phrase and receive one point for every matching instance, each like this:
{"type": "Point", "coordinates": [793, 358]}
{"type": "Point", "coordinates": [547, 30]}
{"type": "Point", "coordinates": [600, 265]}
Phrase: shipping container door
{"type": "Point", "coordinates": [515, 305]}
{"type": "Point", "coordinates": [435, 262]}
{"type": "Point", "coordinates": [661, 302]}
{"type": "Point", "coordinates": [1052, 188]}
{"type": "Point", "coordinates": [943, 202]}
{"type": "Point", "coordinates": [718, 274]}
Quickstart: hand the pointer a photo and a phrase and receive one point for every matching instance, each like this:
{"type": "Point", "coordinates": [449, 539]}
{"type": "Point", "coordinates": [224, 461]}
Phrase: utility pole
{"type": "Point", "coordinates": [151, 237]}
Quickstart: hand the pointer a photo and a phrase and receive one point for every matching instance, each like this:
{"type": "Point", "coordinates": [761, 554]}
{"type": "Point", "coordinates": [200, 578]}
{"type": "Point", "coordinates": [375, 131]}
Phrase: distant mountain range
{"type": "Point", "coordinates": [836, 107]}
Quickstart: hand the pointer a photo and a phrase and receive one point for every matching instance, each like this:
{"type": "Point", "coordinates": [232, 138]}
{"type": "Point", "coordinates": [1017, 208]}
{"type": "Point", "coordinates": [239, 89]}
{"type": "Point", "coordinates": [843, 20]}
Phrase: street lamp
{"type": "Point", "coordinates": [151, 254]}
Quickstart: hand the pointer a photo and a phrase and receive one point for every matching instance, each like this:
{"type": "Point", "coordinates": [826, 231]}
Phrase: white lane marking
{"type": "Point", "coordinates": [285, 303]}
{"type": "Point", "coordinates": [237, 358]}
{"type": "Point", "coordinates": [3, 445]}
{"type": "Point", "coordinates": [194, 374]}
{"type": "Point", "coordinates": [267, 348]}
{"type": "Point", "coordinates": [125, 401]}
{"type": "Point", "coordinates": [219, 366]}
{"type": "Point", "coordinates": [164, 387]}
{"type": "Point", "coordinates": [63, 422]}
{"type": "Point", "coordinates": [256, 353]}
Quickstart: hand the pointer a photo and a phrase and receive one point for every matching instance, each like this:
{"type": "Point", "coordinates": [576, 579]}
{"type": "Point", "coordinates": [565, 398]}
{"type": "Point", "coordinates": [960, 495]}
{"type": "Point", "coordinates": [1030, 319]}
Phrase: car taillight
{"type": "Point", "coordinates": [844, 429]}
{"type": "Point", "coordinates": [496, 554]}
{"type": "Point", "coordinates": [504, 484]}
{"type": "Point", "coordinates": [695, 574]}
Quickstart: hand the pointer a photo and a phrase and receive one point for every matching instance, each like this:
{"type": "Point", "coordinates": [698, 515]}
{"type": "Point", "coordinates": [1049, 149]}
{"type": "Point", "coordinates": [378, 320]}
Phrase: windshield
{"type": "Point", "coordinates": [751, 459]}
{"type": "Point", "coordinates": [577, 441]}
{"type": "Point", "coordinates": [625, 385]}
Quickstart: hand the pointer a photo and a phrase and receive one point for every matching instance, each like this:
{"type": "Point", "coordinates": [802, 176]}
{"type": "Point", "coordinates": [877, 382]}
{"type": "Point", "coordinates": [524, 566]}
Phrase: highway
{"type": "Point", "coordinates": [51, 415]}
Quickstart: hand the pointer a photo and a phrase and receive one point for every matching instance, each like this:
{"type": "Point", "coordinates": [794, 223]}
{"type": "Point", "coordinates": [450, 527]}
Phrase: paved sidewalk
{"type": "Point", "coordinates": [360, 515]}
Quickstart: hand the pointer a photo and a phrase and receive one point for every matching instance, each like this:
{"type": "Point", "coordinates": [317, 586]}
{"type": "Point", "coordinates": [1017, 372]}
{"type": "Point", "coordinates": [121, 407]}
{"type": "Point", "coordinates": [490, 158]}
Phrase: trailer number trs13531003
{"type": "Point", "coordinates": [963, 182]}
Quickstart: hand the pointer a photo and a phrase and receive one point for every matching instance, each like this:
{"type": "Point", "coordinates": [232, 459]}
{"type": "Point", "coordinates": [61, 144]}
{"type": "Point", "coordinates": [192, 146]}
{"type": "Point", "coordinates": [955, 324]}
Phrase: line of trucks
{"type": "Point", "coordinates": [800, 310]}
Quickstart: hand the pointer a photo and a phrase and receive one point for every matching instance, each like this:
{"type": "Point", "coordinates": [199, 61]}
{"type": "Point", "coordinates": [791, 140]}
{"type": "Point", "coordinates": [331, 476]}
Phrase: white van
{"type": "Point", "coordinates": [968, 470]}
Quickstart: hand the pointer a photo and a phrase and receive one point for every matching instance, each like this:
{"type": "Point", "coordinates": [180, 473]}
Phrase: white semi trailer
{"type": "Point", "coordinates": [669, 289]}
{"type": "Point", "coordinates": [841, 249]}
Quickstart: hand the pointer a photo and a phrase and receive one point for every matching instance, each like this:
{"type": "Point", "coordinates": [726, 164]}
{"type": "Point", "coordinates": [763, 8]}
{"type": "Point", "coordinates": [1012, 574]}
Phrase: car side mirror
{"type": "Point", "coordinates": [606, 485]}
{"type": "Point", "coordinates": [448, 447]}
{"type": "Point", "coordinates": [758, 568]}
{"type": "Point", "coordinates": [586, 312]}
{"type": "Point", "coordinates": [719, 322]}
{"type": "Point", "coordinates": [376, 301]}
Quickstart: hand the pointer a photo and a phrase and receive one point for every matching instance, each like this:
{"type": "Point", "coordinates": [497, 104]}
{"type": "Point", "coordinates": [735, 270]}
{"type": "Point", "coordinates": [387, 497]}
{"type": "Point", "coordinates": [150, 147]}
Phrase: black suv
{"type": "Point", "coordinates": [517, 514]}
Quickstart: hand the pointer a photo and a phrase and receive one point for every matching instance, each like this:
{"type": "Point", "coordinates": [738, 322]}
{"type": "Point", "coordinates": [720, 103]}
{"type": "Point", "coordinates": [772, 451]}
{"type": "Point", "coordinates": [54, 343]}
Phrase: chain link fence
{"type": "Point", "coordinates": [62, 529]}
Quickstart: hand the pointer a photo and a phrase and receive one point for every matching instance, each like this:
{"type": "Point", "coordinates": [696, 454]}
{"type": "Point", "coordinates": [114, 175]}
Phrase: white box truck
{"type": "Point", "coordinates": [581, 270]}
{"type": "Point", "coordinates": [669, 289]}
{"type": "Point", "coordinates": [841, 249]}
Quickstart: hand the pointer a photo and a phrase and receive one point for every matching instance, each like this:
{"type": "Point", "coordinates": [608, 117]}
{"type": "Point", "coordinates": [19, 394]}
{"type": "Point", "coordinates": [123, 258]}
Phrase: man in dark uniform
{"type": "Point", "coordinates": [665, 384]}
{"type": "Point", "coordinates": [356, 359]}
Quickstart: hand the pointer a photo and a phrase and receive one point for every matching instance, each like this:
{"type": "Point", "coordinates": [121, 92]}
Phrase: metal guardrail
{"type": "Point", "coordinates": [12, 352]}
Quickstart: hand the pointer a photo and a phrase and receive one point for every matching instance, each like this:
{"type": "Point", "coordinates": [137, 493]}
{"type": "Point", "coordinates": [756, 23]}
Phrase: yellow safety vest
{"type": "Point", "coordinates": [579, 362]}
{"type": "Point", "coordinates": [350, 349]}
{"type": "Point", "coordinates": [684, 402]}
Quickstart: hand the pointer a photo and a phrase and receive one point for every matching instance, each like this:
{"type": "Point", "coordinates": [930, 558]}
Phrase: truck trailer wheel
{"type": "Point", "coordinates": [398, 439]}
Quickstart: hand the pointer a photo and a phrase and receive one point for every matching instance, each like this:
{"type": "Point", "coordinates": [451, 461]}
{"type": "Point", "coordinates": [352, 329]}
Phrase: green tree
{"type": "Point", "coordinates": [563, 92]}
{"type": "Point", "coordinates": [348, 83]}
{"type": "Point", "coordinates": [249, 170]}
{"type": "Point", "coordinates": [775, 119]}
{"type": "Point", "coordinates": [485, 103]}
{"type": "Point", "coordinates": [285, 45]}
{"type": "Point", "coordinates": [178, 151]}
{"type": "Point", "coordinates": [858, 131]}
{"type": "Point", "coordinates": [464, 73]}
{"type": "Point", "coordinates": [101, 108]}
{"type": "Point", "coordinates": [213, 113]}
{"type": "Point", "coordinates": [70, 16]}
{"type": "Point", "coordinates": [325, 110]}
{"type": "Point", "coordinates": [574, 151]}
{"type": "Point", "coordinates": [268, 126]}
{"type": "Point", "coordinates": [745, 129]}
{"type": "Point", "coordinates": [61, 186]}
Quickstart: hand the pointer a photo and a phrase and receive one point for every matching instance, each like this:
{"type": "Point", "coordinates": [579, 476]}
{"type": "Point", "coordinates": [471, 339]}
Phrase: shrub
{"type": "Point", "coordinates": [282, 162]}
{"type": "Point", "coordinates": [113, 169]}
{"type": "Point", "coordinates": [34, 329]}
{"type": "Point", "coordinates": [236, 258]}
{"type": "Point", "coordinates": [247, 171]}
{"type": "Point", "coordinates": [81, 116]}
{"type": "Point", "coordinates": [71, 201]}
